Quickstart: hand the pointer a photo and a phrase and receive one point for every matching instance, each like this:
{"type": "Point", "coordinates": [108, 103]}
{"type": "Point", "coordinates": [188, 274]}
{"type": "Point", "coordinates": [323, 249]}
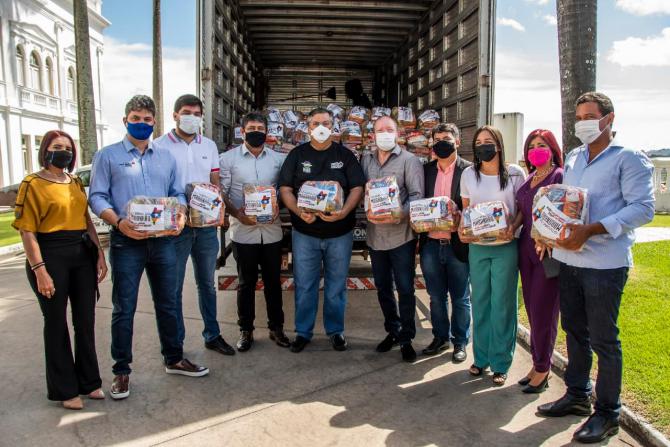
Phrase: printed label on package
{"type": "Point", "coordinates": [312, 198]}
{"type": "Point", "coordinates": [148, 217]}
{"type": "Point", "coordinates": [425, 209]}
{"type": "Point", "coordinates": [384, 199]}
{"type": "Point", "coordinates": [548, 220]}
{"type": "Point", "coordinates": [206, 201]}
{"type": "Point", "coordinates": [492, 220]}
{"type": "Point", "coordinates": [258, 204]}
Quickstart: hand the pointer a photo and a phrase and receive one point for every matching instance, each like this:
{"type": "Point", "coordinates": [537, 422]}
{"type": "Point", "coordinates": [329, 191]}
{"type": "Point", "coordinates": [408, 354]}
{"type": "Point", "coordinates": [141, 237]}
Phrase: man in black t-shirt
{"type": "Point", "coordinates": [321, 238]}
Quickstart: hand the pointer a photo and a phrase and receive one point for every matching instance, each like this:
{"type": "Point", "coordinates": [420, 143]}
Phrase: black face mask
{"type": "Point", "coordinates": [255, 138]}
{"type": "Point", "coordinates": [485, 152]}
{"type": "Point", "coordinates": [60, 159]}
{"type": "Point", "coordinates": [444, 149]}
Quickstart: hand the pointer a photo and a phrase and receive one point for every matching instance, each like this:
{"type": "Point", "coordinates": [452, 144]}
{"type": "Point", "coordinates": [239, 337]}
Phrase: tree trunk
{"type": "Point", "coordinates": [157, 69]}
{"type": "Point", "coordinates": [577, 39]}
{"type": "Point", "coordinates": [88, 135]}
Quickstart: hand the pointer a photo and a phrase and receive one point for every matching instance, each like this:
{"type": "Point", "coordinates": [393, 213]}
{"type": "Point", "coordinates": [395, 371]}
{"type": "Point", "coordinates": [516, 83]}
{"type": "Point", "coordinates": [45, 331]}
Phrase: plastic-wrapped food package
{"type": "Point", "coordinates": [434, 214]}
{"type": "Point", "coordinates": [273, 114]}
{"type": "Point", "coordinates": [300, 134]}
{"type": "Point", "coordinates": [337, 111]}
{"type": "Point", "coordinates": [238, 138]}
{"type": "Point", "coordinates": [428, 119]}
{"type": "Point", "coordinates": [359, 114]}
{"type": "Point", "coordinates": [337, 131]}
{"type": "Point", "coordinates": [291, 119]}
{"type": "Point", "coordinates": [487, 222]}
{"type": "Point", "coordinates": [351, 132]}
{"type": "Point", "coordinates": [155, 215]}
{"type": "Point", "coordinates": [416, 140]}
{"type": "Point", "coordinates": [553, 207]}
{"type": "Point", "coordinates": [320, 196]}
{"type": "Point", "coordinates": [378, 112]}
{"type": "Point", "coordinates": [275, 135]}
{"type": "Point", "coordinates": [205, 205]}
{"type": "Point", "coordinates": [382, 199]}
{"type": "Point", "coordinates": [260, 202]}
{"type": "Point", "coordinates": [402, 136]}
{"type": "Point", "coordinates": [405, 117]}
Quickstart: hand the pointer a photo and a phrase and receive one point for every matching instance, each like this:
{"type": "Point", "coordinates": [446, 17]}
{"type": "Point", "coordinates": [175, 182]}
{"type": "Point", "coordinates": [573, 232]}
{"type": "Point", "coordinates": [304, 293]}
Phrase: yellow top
{"type": "Point", "coordinates": [43, 206]}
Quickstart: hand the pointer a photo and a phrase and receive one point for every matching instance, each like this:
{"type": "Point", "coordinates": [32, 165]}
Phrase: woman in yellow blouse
{"type": "Point", "coordinates": [64, 261]}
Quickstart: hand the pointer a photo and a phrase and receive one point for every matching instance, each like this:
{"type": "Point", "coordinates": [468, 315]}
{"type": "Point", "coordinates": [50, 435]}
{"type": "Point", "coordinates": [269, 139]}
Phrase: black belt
{"type": "Point", "coordinates": [440, 241]}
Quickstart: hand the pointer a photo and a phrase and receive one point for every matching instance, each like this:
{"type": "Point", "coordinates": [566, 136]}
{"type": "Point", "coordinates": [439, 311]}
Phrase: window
{"type": "Point", "coordinates": [71, 85]}
{"type": "Point", "coordinates": [25, 152]}
{"type": "Point", "coordinates": [20, 68]}
{"type": "Point", "coordinates": [35, 71]}
{"type": "Point", "coordinates": [50, 77]}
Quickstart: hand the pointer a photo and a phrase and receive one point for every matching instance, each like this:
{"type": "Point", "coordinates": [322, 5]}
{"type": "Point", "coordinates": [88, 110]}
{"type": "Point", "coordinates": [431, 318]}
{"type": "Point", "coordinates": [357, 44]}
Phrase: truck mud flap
{"type": "Point", "coordinates": [229, 282]}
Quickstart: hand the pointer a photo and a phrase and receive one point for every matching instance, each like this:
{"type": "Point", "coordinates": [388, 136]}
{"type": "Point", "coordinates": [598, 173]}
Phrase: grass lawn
{"type": "Point", "coordinates": [660, 220]}
{"type": "Point", "coordinates": [8, 235]}
{"type": "Point", "coordinates": [645, 334]}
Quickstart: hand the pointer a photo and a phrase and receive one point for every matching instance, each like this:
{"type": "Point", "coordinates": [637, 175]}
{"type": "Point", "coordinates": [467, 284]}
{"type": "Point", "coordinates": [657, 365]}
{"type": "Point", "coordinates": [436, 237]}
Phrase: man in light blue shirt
{"type": "Point", "coordinates": [254, 244]}
{"type": "Point", "coordinates": [620, 199]}
{"type": "Point", "coordinates": [120, 172]}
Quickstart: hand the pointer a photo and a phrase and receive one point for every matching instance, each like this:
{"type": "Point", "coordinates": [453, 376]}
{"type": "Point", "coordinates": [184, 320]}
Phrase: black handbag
{"type": "Point", "coordinates": [93, 252]}
{"type": "Point", "coordinates": [551, 267]}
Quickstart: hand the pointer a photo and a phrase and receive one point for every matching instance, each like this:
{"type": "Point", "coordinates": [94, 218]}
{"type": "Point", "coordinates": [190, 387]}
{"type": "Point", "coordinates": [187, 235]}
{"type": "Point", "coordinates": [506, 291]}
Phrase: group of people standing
{"type": "Point", "coordinates": [65, 261]}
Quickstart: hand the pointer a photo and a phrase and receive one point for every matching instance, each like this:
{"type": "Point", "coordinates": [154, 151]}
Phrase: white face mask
{"type": "Point", "coordinates": [588, 131]}
{"type": "Point", "coordinates": [321, 133]}
{"type": "Point", "coordinates": [189, 124]}
{"type": "Point", "coordinates": [385, 140]}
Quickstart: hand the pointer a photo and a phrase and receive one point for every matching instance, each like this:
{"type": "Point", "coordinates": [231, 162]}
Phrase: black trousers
{"type": "Point", "coordinates": [248, 258]}
{"type": "Point", "coordinates": [72, 269]}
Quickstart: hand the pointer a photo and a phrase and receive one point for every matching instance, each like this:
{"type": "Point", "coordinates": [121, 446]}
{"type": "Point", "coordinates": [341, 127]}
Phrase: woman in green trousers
{"type": "Point", "coordinates": [494, 269]}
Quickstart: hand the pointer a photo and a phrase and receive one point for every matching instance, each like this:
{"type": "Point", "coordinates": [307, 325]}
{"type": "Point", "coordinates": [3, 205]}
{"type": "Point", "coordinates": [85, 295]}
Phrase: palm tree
{"type": "Point", "coordinates": [157, 68]}
{"type": "Point", "coordinates": [88, 137]}
{"type": "Point", "coordinates": [577, 21]}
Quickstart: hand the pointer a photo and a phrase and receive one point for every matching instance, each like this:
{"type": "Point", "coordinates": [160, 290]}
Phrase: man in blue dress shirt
{"type": "Point", "coordinates": [595, 258]}
{"type": "Point", "coordinates": [121, 171]}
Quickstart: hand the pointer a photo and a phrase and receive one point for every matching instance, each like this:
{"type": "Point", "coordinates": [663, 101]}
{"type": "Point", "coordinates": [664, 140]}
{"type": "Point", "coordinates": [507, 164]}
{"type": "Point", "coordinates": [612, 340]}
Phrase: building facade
{"type": "Point", "coordinates": [38, 87]}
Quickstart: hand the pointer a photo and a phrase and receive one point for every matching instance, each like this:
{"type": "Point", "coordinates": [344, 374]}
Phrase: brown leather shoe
{"type": "Point", "coordinates": [186, 368]}
{"type": "Point", "coordinates": [278, 336]}
{"type": "Point", "coordinates": [120, 387]}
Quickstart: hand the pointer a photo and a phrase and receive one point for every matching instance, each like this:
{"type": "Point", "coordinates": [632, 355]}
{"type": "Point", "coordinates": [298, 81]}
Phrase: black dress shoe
{"type": "Point", "coordinates": [387, 344]}
{"type": "Point", "coordinates": [531, 389]}
{"type": "Point", "coordinates": [459, 354]}
{"type": "Point", "coordinates": [299, 344]}
{"type": "Point", "coordinates": [525, 381]}
{"type": "Point", "coordinates": [596, 429]}
{"type": "Point", "coordinates": [339, 342]}
{"type": "Point", "coordinates": [564, 406]}
{"type": "Point", "coordinates": [435, 346]}
{"type": "Point", "coordinates": [278, 336]}
{"type": "Point", "coordinates": [245, 341]}
{"type": "Point", "coordinates": [219, 345]}
{"type": "Point", "coordinates": [408, 353]}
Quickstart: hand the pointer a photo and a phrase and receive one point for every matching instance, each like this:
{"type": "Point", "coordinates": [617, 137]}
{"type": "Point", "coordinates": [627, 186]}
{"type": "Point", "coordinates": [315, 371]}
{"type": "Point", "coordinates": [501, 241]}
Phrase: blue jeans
{"type": "Point", "coordinates": [396, 265]}
{"type": "Point", "coordinates": [446, 275]}
{"type": "Point", "coordinates": [129, 258]}
{"type": "Point", "coordinates": [308, 255]}
{"type": "Point", "coordinates": [590, 302]}
{"type": "Point", "coordinates": [202, 245]}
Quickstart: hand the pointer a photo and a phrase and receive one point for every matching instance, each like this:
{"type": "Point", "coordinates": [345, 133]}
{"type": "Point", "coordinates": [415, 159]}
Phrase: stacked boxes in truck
{"type": "Point", "coordinates": [287, 54]}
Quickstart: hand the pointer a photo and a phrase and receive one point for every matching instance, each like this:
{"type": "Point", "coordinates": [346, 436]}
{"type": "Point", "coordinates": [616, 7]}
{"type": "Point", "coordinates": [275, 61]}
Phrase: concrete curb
{"type": "Point", "coordinates": [11, 249]}
{"type": "Point", "coordinates": [630, 420]}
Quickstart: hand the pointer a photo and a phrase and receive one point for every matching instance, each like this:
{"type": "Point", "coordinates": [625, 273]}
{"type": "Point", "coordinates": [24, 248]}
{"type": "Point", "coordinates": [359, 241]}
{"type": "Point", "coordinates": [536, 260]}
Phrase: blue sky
{"type": "Point", "coordinates": [633, 62]}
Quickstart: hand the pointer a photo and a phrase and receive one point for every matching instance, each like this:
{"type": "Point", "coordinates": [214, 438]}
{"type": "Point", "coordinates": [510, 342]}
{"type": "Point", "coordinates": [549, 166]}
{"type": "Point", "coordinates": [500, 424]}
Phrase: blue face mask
{"type": "Point", "coordinates": [140, 131]}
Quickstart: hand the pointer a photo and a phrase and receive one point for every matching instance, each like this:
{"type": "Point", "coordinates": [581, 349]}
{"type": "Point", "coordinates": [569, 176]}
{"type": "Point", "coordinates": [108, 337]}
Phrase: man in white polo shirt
{"type": "Point", "coordinates": [197, 161]}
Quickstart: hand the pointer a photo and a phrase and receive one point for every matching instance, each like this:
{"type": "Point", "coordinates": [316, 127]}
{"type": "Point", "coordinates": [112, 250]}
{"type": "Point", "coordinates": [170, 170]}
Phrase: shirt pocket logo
{"type": "Point", "coordinates": [306, 167]}
{"type": "Point", "coordinates": [337, 165]}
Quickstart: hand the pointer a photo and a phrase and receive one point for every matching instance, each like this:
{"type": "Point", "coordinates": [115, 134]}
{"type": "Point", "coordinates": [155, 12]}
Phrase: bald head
{"type": "Point", "coordinates": [385, 124]}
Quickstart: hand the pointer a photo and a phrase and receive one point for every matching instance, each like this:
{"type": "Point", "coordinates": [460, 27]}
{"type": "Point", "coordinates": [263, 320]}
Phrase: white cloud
{"type": "Point", "coordinates": [511, 23]}
{"type": "Point", "coordinates": [644, 7]}
{"type": "Point", "coordinates": [550, 19]}
{"type": "Point", "coordinates": [642, 52]}
{"type": "Point", "coordinates": [538, 2]}
{"type": "Point", "coordinates": [127, 72]}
